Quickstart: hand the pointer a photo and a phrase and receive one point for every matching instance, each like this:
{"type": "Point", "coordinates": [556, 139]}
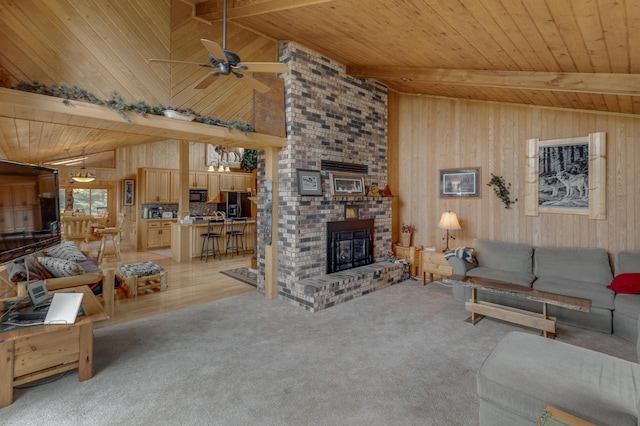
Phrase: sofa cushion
{"type": "Point", "coordinates": [520, 278]}
{"type": "Point", "coordinates": [628, 283]}
{"type": "Point", "coordinates": [627, 304]}
{"type": "Point", "coordinates": [524, 373]}
{"type": "Point", "coordinates": [66, 250]}
{"type": "Point", "coordinates": [627, 261]}
{"type": "Point", "coordinates": [505, 256]}
{"type": "Point", "coordinates": [600, 295]}
{"type": "Point", "coordinates": [60, 267]}
{"type": "Point", "coordinates": [578, 264]}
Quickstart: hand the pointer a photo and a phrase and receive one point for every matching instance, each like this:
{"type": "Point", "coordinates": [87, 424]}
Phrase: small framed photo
{"type": "Point", "coordinates": [309, 182]}
{"type": "Point", "coordinates": [351, 212]}
{"type": "Point", "coordinates": [460, 182]}
{"type": "Point", "coordinates": [128, 193]}
{"type": "Point", "coordinates": [346, 184]}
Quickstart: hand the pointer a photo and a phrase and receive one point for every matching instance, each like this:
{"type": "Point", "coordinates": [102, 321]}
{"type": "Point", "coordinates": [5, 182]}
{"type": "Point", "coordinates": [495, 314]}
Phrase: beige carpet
{"type": "Point", "coordinates": [398, 356]}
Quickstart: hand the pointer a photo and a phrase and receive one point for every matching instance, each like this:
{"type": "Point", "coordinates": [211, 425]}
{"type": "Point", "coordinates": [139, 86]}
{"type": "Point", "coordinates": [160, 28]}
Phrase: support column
{"type": "Point", "coordinates": [271, 251]}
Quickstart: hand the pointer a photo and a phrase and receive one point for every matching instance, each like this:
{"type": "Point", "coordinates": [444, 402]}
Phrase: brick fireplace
{"type": "Point", "coordinates": [330, 118]}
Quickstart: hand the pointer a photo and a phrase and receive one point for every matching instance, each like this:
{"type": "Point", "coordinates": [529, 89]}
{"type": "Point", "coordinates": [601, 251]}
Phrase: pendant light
{"type": "Point", "coordinates": [83, 175]}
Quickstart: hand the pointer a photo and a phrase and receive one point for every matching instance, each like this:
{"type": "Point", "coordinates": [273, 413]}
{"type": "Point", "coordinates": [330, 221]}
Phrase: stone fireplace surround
{"type": "Point", "coordinates": [336, 118]}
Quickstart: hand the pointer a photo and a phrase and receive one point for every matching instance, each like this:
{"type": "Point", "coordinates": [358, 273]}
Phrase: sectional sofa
{"type": "Point", "coordinates": [579, 272]}
{"type": "Point", "coordinates": [525, 373]}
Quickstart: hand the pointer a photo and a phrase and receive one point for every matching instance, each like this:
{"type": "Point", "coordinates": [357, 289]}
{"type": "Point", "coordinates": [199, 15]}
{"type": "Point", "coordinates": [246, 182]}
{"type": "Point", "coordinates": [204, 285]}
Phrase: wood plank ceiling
{"type": "Point", "coordinates": [577, 54]}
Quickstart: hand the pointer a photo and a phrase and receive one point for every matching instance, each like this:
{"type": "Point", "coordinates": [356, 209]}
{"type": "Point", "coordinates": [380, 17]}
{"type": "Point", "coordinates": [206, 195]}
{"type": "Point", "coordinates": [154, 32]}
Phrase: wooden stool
{"type": "Point", "coordinates": [114, 233]}
{"type": "Point", "coordinates": [135, 284]}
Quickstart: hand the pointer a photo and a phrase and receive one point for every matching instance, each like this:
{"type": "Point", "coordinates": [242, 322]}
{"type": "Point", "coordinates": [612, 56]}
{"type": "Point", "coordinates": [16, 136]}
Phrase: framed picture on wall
{"type": "Point", "coordinates": [460, 182]}
{"type": "Point", "coordinates": [128, 193]}
{"type": "Point", "coordinates": [309, 182]}
{"type": "Point", "coordinates": [346, 184]}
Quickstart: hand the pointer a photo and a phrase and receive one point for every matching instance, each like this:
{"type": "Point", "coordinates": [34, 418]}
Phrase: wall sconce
{"type": "Point", "coordinates": [449, 221]}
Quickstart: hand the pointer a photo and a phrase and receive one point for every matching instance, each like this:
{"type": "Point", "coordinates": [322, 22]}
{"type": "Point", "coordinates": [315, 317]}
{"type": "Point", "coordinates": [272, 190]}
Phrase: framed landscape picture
{"type": "Point", "coordinates": [309, 182]}
{"type": "Point", "coordinates": [346, 184]}
{"type": "Point", "coordinates": [460, 182]}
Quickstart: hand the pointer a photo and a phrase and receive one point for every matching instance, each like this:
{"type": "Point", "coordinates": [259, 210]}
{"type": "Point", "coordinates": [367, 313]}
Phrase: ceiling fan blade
{"type": "Point", "coordinates": [215, 49]}
{"type": "Point", "coordinates": [170, 61]}
{"type": "Point", "coordinates": [206, 82]}
{"type": "Point", "coordinates": [255, 84]}
{"type": "Point", "coordinates": [265, 66]}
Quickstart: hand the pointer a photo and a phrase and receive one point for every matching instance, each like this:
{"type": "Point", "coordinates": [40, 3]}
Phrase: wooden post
{"type": "Point", "coordinates": [271, 251]}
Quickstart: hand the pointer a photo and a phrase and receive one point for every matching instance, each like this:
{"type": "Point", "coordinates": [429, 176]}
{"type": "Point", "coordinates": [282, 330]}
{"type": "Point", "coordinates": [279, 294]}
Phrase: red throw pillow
{"type": "Point", "coordinates": [626, 283]}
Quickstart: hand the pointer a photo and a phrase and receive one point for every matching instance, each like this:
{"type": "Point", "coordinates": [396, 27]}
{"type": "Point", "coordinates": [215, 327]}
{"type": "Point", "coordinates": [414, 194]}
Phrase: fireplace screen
{"type": "Point", "coordinates": [349, 244]}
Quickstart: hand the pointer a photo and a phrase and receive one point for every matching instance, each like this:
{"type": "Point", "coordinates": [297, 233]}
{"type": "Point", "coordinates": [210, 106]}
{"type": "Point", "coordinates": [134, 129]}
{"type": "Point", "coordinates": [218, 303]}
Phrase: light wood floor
{"type": "Point", "coordinates": [189, 284]}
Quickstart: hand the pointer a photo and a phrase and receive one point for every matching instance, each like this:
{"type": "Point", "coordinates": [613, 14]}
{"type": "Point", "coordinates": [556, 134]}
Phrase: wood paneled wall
{"type": "Point", "coordinates": [427, 134]}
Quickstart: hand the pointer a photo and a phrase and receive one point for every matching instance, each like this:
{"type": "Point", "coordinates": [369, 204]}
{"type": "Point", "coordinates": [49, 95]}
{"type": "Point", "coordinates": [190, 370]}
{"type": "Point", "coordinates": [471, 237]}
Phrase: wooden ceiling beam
{"type": "Point", "coordinates": [212, 10]}
{"type": "Point", "coordinates": [601, 83]}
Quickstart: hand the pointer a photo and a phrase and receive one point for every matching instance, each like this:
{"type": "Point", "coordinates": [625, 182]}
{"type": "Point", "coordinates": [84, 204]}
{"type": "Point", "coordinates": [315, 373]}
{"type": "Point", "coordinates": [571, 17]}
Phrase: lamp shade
{"type": "Point", "coordinates": [83, 175]}
{"type": "Point", "coordinates": [449, 220]}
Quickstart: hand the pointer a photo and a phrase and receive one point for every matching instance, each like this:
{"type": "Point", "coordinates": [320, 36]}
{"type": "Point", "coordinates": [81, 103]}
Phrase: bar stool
{"type": "Point", "coordinates": [114, 233]}
{"type": "Point", "coordinates": [235, 236]}
{"type": "Point", "coordinates": [215, 229]}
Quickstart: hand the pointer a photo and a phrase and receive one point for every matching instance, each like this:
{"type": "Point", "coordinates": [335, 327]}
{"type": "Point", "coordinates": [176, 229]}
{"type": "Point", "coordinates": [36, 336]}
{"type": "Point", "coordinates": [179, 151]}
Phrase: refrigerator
{"type": "Point", "coordinates": [238, 204]}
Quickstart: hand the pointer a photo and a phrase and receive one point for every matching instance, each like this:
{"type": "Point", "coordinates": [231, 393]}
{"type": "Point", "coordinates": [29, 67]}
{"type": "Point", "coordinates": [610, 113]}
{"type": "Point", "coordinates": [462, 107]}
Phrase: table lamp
{"type": "Point", "coordinates": [448, 221]}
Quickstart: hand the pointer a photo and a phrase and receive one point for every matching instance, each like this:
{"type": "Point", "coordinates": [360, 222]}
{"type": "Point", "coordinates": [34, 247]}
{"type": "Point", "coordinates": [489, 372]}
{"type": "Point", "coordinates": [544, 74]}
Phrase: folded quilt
{"type": "Point", "coordinates": [140, 269]}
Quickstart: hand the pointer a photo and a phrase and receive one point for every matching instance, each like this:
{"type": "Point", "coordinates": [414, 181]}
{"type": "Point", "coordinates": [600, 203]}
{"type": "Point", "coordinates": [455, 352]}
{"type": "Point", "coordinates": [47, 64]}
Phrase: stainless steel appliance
{"type": "Point", "coordinates": [238, 204]}
{"type": "Point", "coordinates": [198, 195]}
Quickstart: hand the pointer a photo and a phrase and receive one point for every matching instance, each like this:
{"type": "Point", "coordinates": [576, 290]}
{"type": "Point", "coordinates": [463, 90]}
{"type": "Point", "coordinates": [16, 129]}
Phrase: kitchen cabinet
{"type": "Point", "coordinates": [198, 180]}
{"type": "Point", "coordinates": [156, 186]}
{"type": "Point", "coordinates": [236, 181]}
{"type": "Point", "coordinates": [213, 188]}
{"type": "Point", "coordinates": [23, 219]}
{"type": "Point", "coordinates": [6, 220]}
{"type": "Point", "coordinates": [158, 234]}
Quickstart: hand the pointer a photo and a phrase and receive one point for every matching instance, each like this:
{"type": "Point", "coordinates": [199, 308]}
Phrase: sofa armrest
{"type": "Point", "coordinates": [460, 267]}
{"type": "Point", "coordinates": [108, 283]}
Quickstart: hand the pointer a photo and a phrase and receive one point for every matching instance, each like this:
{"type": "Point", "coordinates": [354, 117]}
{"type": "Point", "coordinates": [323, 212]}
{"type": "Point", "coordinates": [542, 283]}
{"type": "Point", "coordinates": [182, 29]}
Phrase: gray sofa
{"type": "Point", "coordinates": [580, 272]}
{"type": "Point", "coordinates": [626, 306]}
{"type": "Point", "coordinates": [525, 372]}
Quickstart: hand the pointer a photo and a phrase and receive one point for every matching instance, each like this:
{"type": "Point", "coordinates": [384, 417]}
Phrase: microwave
{"type": "Point", "coordinates": [198, 195]}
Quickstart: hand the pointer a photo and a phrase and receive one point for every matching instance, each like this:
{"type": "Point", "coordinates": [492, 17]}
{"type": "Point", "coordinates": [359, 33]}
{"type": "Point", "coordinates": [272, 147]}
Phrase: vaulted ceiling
{"type": "Point", "coordinates": [578, 54]}
{"type": "Point", "coordinates": [571, 53]}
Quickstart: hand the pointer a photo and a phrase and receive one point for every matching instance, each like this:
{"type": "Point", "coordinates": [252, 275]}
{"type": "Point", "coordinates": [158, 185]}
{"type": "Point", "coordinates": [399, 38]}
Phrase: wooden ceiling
{"type": "Point", "coordinates": [582, 54]}
{"type": "Point", "coordinates": [577, 54]}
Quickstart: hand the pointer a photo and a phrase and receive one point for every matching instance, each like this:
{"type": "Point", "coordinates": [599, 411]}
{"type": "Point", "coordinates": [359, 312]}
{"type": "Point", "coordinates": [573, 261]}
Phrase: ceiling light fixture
{"type": "Point", "coordinates": [83, 175]}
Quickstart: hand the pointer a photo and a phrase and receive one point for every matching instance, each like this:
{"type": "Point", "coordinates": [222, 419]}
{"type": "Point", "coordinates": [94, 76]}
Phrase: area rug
{"type": "Point", "coordinates": [243, 274]}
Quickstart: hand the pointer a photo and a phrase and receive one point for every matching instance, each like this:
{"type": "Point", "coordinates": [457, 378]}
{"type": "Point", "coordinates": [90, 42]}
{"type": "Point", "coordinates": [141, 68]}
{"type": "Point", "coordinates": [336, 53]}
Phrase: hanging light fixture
{"type": "Point", "coordinates": [83, 175]}
{"type": "Point", "coordinates": [211, 168]}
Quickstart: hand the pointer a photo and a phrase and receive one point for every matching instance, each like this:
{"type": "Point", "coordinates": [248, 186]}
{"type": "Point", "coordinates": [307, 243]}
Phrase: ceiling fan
{"type": "Point", "coordinates": [226, 62]}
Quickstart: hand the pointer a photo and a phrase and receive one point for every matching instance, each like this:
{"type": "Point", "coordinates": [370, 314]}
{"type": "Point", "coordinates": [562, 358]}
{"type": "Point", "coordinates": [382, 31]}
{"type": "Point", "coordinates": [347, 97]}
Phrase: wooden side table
{"type": "Point", "coordinates": [433, 262]}
{"type": "Point", "coordinates": [412, 256]}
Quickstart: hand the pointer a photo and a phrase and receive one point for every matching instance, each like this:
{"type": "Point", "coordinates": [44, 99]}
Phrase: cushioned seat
{"type": "Point", "coordinates": [525, 372]}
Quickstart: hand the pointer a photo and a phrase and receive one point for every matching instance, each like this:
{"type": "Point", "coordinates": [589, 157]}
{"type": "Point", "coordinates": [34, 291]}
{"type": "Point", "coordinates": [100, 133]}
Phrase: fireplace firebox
{"type": "Point", "coordinates": [349, 244]}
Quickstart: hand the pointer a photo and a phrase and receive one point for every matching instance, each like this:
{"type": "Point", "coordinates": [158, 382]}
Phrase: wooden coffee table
{"type": "Point", "coordinates": [35, 352]}
{"type": "Point", "coordinates": [543, 322]}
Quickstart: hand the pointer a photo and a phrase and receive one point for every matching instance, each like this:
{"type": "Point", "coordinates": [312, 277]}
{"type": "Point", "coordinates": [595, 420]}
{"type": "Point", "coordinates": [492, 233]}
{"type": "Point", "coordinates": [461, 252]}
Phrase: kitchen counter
{"type": "Point", "coordinates": [189, 235]}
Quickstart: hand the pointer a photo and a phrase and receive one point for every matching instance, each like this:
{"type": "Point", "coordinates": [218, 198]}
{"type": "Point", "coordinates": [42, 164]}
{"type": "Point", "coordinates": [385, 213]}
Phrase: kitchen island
{"type": "Point", "coordinates": [186, 240]}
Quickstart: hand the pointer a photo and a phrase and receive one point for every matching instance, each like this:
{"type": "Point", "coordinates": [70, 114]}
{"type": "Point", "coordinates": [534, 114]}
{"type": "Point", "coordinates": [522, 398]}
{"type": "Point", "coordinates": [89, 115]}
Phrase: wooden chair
{"type": "Point", "coordinates": [76, 229]}
{"type": "Point", "coordinates": [114, 233]}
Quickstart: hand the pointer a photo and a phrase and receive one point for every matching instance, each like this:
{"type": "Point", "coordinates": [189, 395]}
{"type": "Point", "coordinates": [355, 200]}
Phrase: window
{"type": "Point", "coordinates": [90, 201]}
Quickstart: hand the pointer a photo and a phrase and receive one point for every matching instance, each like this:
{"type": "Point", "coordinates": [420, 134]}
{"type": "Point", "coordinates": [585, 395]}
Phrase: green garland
{"type": "Point", "coordinates": [502, 190]}
{"type": "Point", "coordinates": [118, 103]}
